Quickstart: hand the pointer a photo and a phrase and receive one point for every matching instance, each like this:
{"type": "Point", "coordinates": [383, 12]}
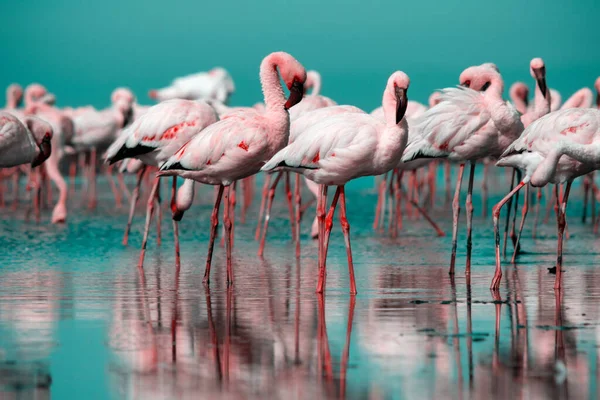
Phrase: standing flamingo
{"type": "Point", "coordinates": [153, 138]}
{"type": "Point", "coordinates": [465, 126]}
{"type": "Point", "coordinates": [556, 148]}
{"type": "Point", "coordinates": [343, 147]}
{"type": "Point", "coordinates": [215, 84]}
{"type": "Point", "coordinates": [238, 146]}
{"type": "Point", "coordinates": [40, 103]}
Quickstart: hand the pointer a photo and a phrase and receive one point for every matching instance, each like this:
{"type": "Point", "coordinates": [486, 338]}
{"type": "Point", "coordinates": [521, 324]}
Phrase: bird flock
{"type": "Point", "coordinates": [191, 133]}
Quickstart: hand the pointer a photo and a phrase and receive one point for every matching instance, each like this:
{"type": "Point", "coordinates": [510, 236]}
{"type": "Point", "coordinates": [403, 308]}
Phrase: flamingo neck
{"type": "Point", "coordinates": [12, 101]}
{"type": "Point", "coordinates": [389, 104]}
{"type": "Point", "coordinates": [541, 105]}
{"type": "Point", "coordinates": [316, 85]}
{"type": "Point", "coordinates": [518, 101]}
{"type": "Point", "coordinates": [271, 85]}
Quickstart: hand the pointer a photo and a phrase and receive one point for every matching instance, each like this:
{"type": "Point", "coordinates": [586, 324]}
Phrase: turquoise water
{"type": "Point", "coordinates": [82, 51]}
{"type": "Point", "coordinates": [78, 320]}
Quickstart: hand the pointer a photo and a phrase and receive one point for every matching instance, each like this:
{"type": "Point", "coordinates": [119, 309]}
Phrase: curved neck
{"type": "Point", "coordinates": [496, 88]}
{"type": "Point", "coordinates": [519, 102]}
{"type": "Point", "coordinates": [316, 85]}
{"type": "Point", "coordinates": [389, 104]}
{"type": "Point", "coordinates": [271, 86]}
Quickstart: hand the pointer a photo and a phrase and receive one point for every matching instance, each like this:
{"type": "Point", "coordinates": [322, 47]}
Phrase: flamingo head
{"type": "Point", "coordinates": [397, 88]}
{"type": "Point", "coordinates": [36, 93]}
{"type": "Point", "coordinates": [479, 77]}
{"type": "Point", "coordinates": [520, 91]}
{"type": "Point", "coordinates": [434, 99]}
{"type": "Point", "coordinates": [14, 95]}
{"type": "Point", "coordinates": [313, 81]}
{"type": "Point", "coordinates": [293, 75]}
{"type": "Point", "coordinates": [538, 72]}
{"type": "Point", "coordinates": [123, 99]}
{"type": "Point", "coordinates": [42, 133]}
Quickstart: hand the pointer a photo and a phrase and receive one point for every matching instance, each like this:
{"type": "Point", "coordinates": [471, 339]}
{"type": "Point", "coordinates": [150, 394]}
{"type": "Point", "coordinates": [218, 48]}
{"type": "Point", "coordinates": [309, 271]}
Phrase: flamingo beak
{"type": "Point", "coordinates": [45, 151]}
{"type": "Point", "coordinates": [296, 93]}
{"type": "Point", "coordinates": [540, 77]}
{"type": "Point", "coordinates": [401, 103]}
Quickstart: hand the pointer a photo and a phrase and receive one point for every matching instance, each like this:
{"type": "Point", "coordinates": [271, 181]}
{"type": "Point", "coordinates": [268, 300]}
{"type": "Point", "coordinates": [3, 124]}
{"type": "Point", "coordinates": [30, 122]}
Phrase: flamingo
{"type": "Point", "coordinates": [215, 84]}
{"type": "Point", "coordinates": [465, 126]}
{"type": "Point", "coordinates": [39, 102]}
{"type": "Point", "coordinates": [309, 103]}
{"type": "Point", "coordinates": [14, 96]}
{"type": "Point", "coordinates": [24, 143]}
{"type": "Point", "coordinates": [153, 138]}
{"type": "Point", "coordinates": [238, 145]}
{"type": "Point", "coordinates": [583, 98]}
{"type": "Point", "coordinates": [556, 148]}
{"type": "Point", "coordinates": [96, 130]}
{"type": "Point", "coordinates": [343, 147]}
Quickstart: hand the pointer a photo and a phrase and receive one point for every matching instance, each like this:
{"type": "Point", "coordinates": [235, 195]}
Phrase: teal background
{"type": "Point", "coordinates": [82, 50]}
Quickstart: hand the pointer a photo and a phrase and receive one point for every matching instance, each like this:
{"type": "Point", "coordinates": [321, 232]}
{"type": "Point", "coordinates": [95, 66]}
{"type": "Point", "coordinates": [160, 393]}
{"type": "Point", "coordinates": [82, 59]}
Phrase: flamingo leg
{"type": "Point", "coordinates": [561, 222]}
{"type": "Point", "coordinates": [92, 199]}
{"type": "Point", "coordinates": [297, 211]}
{"type": "Point", "coordinates": [383, 202]}
{"type": "Point", "coordinates": [113, 186]}
{"type": "Point", "coordinates": [513, 234]}
{"type": "Point", "coordinates": [133, 201]}
{"type": "Point", "coordinates": [496, 215]}
{"type": "Point", "coordinates": [175, 222]}
{"type": "Point", "coordinates": [523, 216]}
{"type": "Point", "coordinates": [586, 192]}
{"type": "Point", "coordinates": [392, 214]}
{"type": "Point", "coordinates": [321, 204]}
{"type": "Point", "coordinates": [346, 231]}
{"type": "Point", "coordinates": [425, 215]}
{"type": "Point", "coordinates": [290, 203]}
{"type": "Point", "coordinates": [537, 211]}
{"type": "Point", "coordinates": [469, 207]}
{"type": "Point", "coordinates": [214, 224]}
{"type": "Point", "coordinates": [448, 173]}
{"type": "Point", "coordinates": [380, 195]}
{"type": "Point", "coordinates": [455, 215]}
{"type": "Point", "coordinates": [270, 196]}
{"type": "Point", "coordinates": [158, 215]}
{"type": "Point", "coordinates": [397, 223]}
{"type": "Point", "coordinates": [263, 199]}
{"type": "Point", "coordinates": [72, 176]}
{"type": "Point", "coordinates": [149, 212]}
{"type": "Point", "coordinates": [326, 235]}
{"type": "Point", "coordinates": [432, 175]}
{"type": "Point", "coordinates": [484, 189]}
{"type": "Point", "coordinates": [232, 203]}
{"type": "Point", "coordinates": [509, 208]}
{"type": "Point", "coordinates": [228, 233]}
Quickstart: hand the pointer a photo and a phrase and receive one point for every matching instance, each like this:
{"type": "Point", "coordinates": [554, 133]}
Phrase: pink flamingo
{"type": "Point", "coordinates": [237, 146]}
{"type": "Point", "coordinates": [583, 98]}
{"type": "Point", "coordinates": [96, 130]}
{"type": "Point", "coordinates": [153, 139]}
{"type": "Point", "coordinates": [556, 148]}
{"type": "Point", "coordinates": [465, 126]}
{"type": "Point", "coordinates": [343, 147]}
{"type": "Point", "coordinates": [14, 96]}
{"type": "Point", "coordinates": [40, 103]}
{"type": "Point", "coordinates": [310, 102]}
{"type": "Point", "coordinates": [215, 84]}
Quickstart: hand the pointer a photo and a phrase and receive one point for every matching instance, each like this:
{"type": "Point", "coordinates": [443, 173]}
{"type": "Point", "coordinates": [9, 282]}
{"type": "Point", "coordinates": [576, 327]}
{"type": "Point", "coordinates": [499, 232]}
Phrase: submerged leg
{"type": "Point", "coordinates": [523, 216]}
{"type": "Point", "coordinates": [561, 222]}
{"type": "Point", "coordinates": [512, 185]}
{"type": "Point", "coordinates": [325, 243]}
{"type": "Point", "coordinates": [297, 211]}
{"type": "Point", "coordinates": [346, 231]}
{"type": "Point", "coordinates": [469, 207]}
{"type": "Point", "coordinates": [175, 221]}
{"type": "Point", "coordinates": [290, 203]}
{"type": "Point", "coordinates": [149, 212]}
{"type": "Point", "coordinates": [228, 234]}
{"type": "Point", "coordinates": [133, 202]}
{"type": "Point", "coordinates": [270, 196]}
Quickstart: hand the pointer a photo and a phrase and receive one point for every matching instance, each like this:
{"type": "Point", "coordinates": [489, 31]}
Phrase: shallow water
{"type": "Point", "coordinates": [79, 320]}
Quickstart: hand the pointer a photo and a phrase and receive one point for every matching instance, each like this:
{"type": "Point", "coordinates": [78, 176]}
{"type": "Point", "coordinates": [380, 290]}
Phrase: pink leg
{"type": "Point", "coordinates": [228, 234]}
{"type": "Point", "coordinates": [245, 184]}
{"type": "Point", "coordinates": [93, 200]}
{"type": "Point", "coordinates": [469, 207]}
{"type": "Point", "coordinates": [424, 214]}
{"type": "Point", "coordinates": [132, 204]}
{"type": "Point", "coordinates": [484, 190]}
{"type": "Point", "coordinates": [321, 204]}
{"type": "Point", "coordinates": [270, 197]}
{"type": "Point", "coordinates": [509, 209]}
{"type": "Point", "coordinates": [561, 222]}
{"type": "Point", "coordinates": [586, 192]}
{"type": "Point", "coordinates": [72, 176]}
{"type": "Point", "coordinates": [113, 186]}
{"type": "Point", "coordinates": [232, 203]}
{"type": "Point", "coordinates": [326, 234]}
{"type": "Point", "coordinates": [398, 220]}
{"type": "Point", "coordinates": [382, 211]}
{"type": "Point", "coordinates": [346, 230]}
{"type": "Point", "coordinates": [297, 211]}
{"type": "Point", "coordinates": [496, 215]}
{"type": "Point", "coordinates": [431, 179]}
{"type": "Point", "coordinates": [380, 201]}
{"type": "Point", "coordinates": [265, 191]}
{"type": "Point", "coordinates": [175, 222]}
{"type": "Point", "coordinates": [455, 215]}
{"type": "Point", "coordinates": [392, 228]}
{"type": "Point", "coordinates": [214, 224]}
{"type": "Point", "coordinates": [537, 212]}
{"type": "Point", "coordinates": [149, 212]}
{"type": "Point", "coordinates": [290, 202]}
{"type": "Point", "coordinates": [448, 173]}
{"type": "Point", "coordinates": [523, 216]}
{"type": "Point", "coordinates": [513, 234]}
{"type": "Point", "coordinates": [159, 216]}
